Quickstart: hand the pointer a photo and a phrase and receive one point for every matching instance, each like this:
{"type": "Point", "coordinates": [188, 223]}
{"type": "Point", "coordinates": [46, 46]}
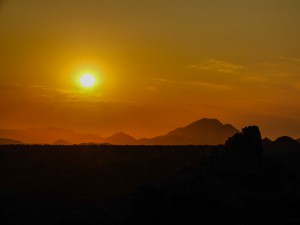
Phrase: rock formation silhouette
{"type": "Point", "coordinates": [223, 188]}
{"type": "Point", "coordinates": [246, 143]}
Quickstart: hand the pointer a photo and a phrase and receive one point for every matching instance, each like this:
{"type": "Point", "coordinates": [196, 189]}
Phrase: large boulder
{"type": "Point", "coordinates": [246, 143]}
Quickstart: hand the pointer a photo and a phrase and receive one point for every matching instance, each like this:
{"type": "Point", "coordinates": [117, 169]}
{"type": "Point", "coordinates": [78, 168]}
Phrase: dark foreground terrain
{"type": "Point", "coordinates": [52, 184]}
{"type": "Point", "coordinates": [147, 185]}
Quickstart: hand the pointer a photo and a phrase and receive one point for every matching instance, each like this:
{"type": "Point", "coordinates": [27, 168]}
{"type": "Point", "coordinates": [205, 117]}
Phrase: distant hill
{"type": "Point", "coordinates": [212, 189]}
{"type": "Point", "coordinates": [285, 141]}
{"type": "Point", "coordinates": [202, 132]}
{"type": "Point", "coordinates": [298, 140]}
{"type": "Point", "coordinates": [121, 139]}
{"type": "Point", "coordinates": [49, 135]}
{"type": "Point", "coordinates": [266, 141]}
{"type": "Point", "coordinates": [282, 145]}
{"type": "Point", "coordinates": [61, 142]}
{"type": "Point", "coordinates": [5, 141]}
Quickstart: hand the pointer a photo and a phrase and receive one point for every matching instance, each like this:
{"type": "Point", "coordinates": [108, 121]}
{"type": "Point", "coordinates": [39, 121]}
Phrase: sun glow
{"type": "Point", "coordinates": [87, 80]}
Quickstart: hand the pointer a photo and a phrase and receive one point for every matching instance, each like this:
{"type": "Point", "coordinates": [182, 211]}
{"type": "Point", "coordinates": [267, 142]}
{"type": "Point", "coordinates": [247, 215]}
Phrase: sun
{"type": "Point", "coordinates": [88, 80]}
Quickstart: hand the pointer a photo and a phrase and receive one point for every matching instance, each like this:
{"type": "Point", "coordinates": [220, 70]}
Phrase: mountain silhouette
{"type": "Point", "coordinates": [266, 141]}
{"type": "Point", "coordinates": [298, 140]}
{"type": "Point", "coordinates": [285, 141]}
{"type": "Point", "coordinates": [282, 145]}
{"type": "Point", "coordinates": [223, 188]}
{"type": "Point", "coordinates": [121, 139]}
{"type": "Point", "coordinates": [6, 141]}
{"type": "Point", "coordinates": [61, 142]}
{"type": "Point", "coordinates": [202, 132]}
{"type": "Point", "coordinates": [48, 135]}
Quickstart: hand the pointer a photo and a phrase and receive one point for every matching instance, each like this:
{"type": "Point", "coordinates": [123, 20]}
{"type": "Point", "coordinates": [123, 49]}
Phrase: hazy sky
{"type": "Point", "coordinates": [161, 63]}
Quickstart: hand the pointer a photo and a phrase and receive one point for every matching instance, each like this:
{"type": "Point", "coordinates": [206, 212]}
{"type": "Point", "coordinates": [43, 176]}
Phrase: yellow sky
{"type": "Point", "coordinates": [162, 64]}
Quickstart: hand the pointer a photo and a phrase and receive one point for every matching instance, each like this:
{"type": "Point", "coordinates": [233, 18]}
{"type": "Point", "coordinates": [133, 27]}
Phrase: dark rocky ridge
{"type": "Point", "coordinates": [246, 143]}
{"type": "Point", "coordinates": [283, 143]}
{"type": "Point", "coordinates": [236, 185]}
{"type": "Point", "coordinates": [266, 140]}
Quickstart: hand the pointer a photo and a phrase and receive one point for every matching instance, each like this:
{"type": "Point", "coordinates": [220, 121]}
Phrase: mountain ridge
{"type": "Point", "coordinates": [204, 131]}
{"type": "Point", "coordinates": [201, 132]}
{"type": "Point", "coordinates": [48, 135]}
{"type": "Point", "coordinates": [6, 141]}
{"type": "Point", "coordinates": [121, 138]}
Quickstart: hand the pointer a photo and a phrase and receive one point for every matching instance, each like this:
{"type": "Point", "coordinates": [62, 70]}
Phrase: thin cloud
{"type": "Point", "coordinates": [217, 65]}
{"type": "Point", "coordinates": [202, 84]}
{"type": "Point", "coordinates": [287, 58]}
{"type": "Point", "coordinates": [152, 89]}
{"type": "Point", "coordinates": [41, 93]}
{"type": "Point", "coordinates": [213, 86]}
{"type": "Point", "coordinates": [256, 78]}
{"type": "Point", "coordinates": [160, 80]}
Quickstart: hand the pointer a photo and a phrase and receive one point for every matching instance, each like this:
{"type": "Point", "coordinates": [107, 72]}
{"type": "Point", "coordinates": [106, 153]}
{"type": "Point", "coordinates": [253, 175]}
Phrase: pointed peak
{"type": "Point", "coordinates": [120, 138]}
{"type": "Point", "coordinates": [212, 120]}
{"type": "Point", "coordinates": [267, 140]}
{"type": "Point", "coordinates": [206, 122]}
{"type": "Point", "coordinates": [121, 134]}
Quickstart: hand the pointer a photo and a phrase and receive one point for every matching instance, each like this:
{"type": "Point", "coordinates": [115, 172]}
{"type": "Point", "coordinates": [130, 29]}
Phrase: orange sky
{"type": "Point", "coordinates": [162, 64]}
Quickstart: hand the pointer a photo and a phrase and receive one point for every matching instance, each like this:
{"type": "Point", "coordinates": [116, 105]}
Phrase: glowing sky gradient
{"type": "Point", "coordinates": [162, 64]}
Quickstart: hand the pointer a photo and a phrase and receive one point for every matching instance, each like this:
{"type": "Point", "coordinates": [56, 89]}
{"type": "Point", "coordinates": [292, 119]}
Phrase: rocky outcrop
{"type": "Point", "coordinates": [235, 188]}
{"type": "Point", "coordinates": [246, 143]}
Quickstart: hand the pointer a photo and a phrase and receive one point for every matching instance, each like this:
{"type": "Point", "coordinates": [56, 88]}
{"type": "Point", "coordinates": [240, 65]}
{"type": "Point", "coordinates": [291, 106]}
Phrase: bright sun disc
{"type": "Point", "coordinates": [87, 80]}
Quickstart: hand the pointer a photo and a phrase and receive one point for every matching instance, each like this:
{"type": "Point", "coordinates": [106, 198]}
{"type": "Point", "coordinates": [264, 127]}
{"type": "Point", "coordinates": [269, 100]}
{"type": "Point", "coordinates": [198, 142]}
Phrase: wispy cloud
{"type": "Point", "coordinates": [217, 65]}
{"type": "Point", "coordinates": [202, 84]}
{"type": "Point", "coordinates": [160, 80]}
{"type": "Point", "coordinates": [152, 89]}
{"type": "Point", "coordinates": [287, 58]}
{"type": "Point", "coordinates": [208, 85]}
{"type": "Point", "coordinates": [256, 78]}
{"type": "Point", "coordinates": [41, 93]}
{"type": "Point", "coordinates": [44, 94]}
